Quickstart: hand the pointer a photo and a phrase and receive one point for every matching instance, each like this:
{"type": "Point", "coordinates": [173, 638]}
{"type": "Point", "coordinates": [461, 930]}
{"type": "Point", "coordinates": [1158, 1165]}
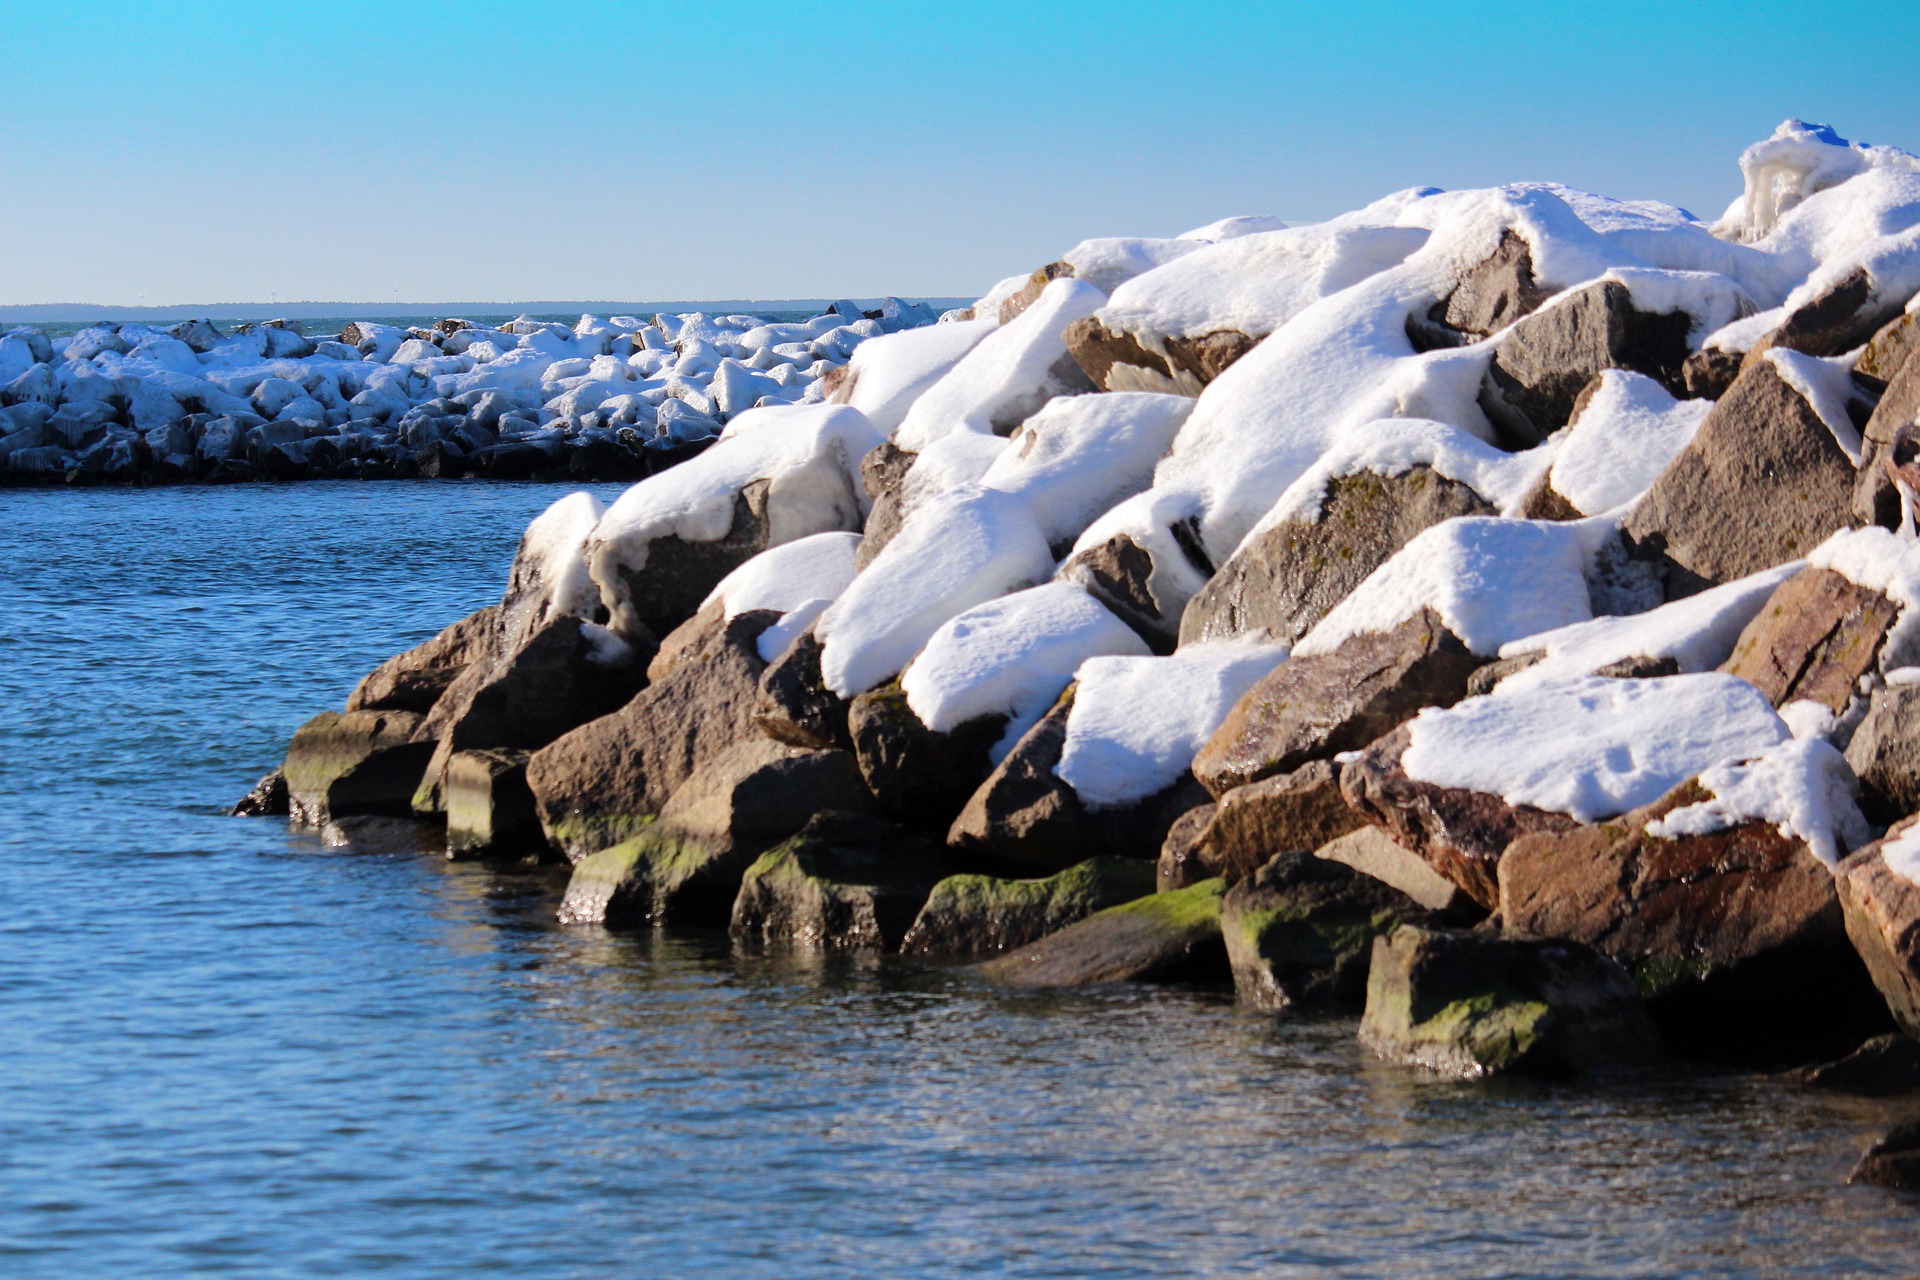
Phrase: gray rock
{"type": "Point", "coordinates": [1477, 1005]}
{"type": "Point", "coordinates": [794, 704]}
{"type": "Point", "coordinates": [1372, 852]}
{"type": "Point", "coordinates": [1885, 753]}
{"type": "Point", "coordinates": [1293, 574]}
{"type": "Point", "coordinates": [883, 473]}
{"type": "Point", "coordinates": [1165, 937]}
{"type": "Point", "coordinates": [1489, 297]}
{"type": "Point", "coordinates": [1875, 500]}
{"type": "Point", "coordinates": [1815, 637]}
{"type": "Point", "coordinates": [1117, 360]}
{"type": "Point", "coordinates": [1762, 483]}
{"type": "Point", "coordinates": [268, 799]}
{"type": "Point", "coordinates": [1300, 931]}
{"type": "Point", "coordinates": [919, 776]}
{"type": "Point", "coordinates": [1547, 359]}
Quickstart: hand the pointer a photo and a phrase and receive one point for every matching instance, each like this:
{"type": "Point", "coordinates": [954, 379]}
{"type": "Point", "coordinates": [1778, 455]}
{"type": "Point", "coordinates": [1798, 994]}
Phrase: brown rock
{"type": "Point", "coordinates": [678, 575]}
{"type": "Point", "coordinates": [1462, 834]}
{"type": "Point", "coordinates": [1734, 937]}
{"type": "Point", "coordinates": [362, 762]}
{"type": "Point", "coordinates": [1875, 499]}
{"type": "Point", "coordinates": [1179, 862]}
{"type": "Point", "coordinates": [916, 775]}
{"type": "Point", "coordinates": [795, 706]}
{"type": "Point", "coordinates": [1011, 307]}
{"type": "Point", "coordinates": [1120, 574]}
{"type": "Point", "coordinates": [1813, 639]}
{"type": "Point", "coordinates": [1889, 349]}
{"type": "Point", "coordinates": [1838, 320]}
{"type": "Point", "coordinates": [414, 680]}
{"type": "Point", "coordinates": [1117, 360]}
{"type": "Point", "coordinates": [1894, 1161]}
{"type": "Point", "coordinates": [1548, 358]}
{"type": "Point", "coordinates": [1313, 706]}
{"type": "Point", "coordinates": [1708, 373]}
{"type": "Point", "coordinates": [1885, 753]}
{"type": "Point", "coordinates": [1761, 483]}
{"type": "Point", "coordinates": [1490, 296]}
{"type": "Point", "coordinates": [1293, 574]}
{"type": "Point", "coordinates": [1882, 913]}
{"type": "Point", "coordinates": [599, 784]}
{"type": "Point", "coordinates": [1374, 853]}
{"type": "Point", "coordinates": [1298, 810]}
{"type": "Point", "coordinates": [841, 883]}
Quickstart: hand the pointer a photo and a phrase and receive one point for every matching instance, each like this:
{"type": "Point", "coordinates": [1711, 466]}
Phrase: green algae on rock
{"type": "Point", "coordinates": [981, 915]}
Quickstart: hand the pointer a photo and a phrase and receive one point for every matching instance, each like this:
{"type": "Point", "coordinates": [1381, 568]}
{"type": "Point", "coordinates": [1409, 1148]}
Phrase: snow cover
{"type": "Point", "coordinates": [1802, 785]}
{"type": "Point", "coordinates": [1798, 161]}
{"type": "Point", "coordinates": [1009, 374]}
{"type": "Point", "coordinates": [1884, 561]}
{"type": "Point", "coordinates": [811, 457]}
{"type": "Point", "coordinates": [1491, 580]}
{"type": "Point", "coordinates": [1108, 263]}
{"type": "Point", "coordinates": [1825, 385]}
{"type": "Point", "coordinates": [791, 576]}
{"type": "Point", "coordinates": [953, 552]}
{"type": "Point", "coordinates": [1626, 433]}
{"type": "Point", "coordinates": [1392, 446]}
{"type": "Point", "coordinates": [1698, 632]}
{"type": "Point", "coordinates": [1902, 854]}
{"type": "Point", "coordinates": [1591, 746]}
{"type": "Point", "coordinates": [1079, 455]}
{"type": "Point", "coordinates": [553, 554]}
{"type": "Point", "coordinates": [891, 372]}
{"type": "Point", "coordinates": [1137, 722]}
{"type": "Point", "coordinates": [1012, 656]}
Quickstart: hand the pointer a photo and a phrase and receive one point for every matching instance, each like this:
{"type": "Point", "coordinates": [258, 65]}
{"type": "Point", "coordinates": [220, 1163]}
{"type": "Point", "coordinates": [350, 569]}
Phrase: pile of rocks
{"type": "Point", "coordinates": [1494, 611]}
{"type": "Point", "coordinates": [614, 398]}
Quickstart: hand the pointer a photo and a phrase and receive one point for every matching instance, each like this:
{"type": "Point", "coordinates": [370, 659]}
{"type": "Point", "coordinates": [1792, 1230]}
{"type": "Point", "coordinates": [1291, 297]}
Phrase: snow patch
{"type": "Point", "coordinates": [1826, 385]}
{"type": "Point", "coordinates": [1902, 854]}
{"type": "Point", "coordinates": [786, 577]}
{"type": "Point", "coordinates": [1802, 786]}
{"type": "Point", "coordinates": [1591, 747]}
{"type": "Point", "coordinates": [1626, 433]}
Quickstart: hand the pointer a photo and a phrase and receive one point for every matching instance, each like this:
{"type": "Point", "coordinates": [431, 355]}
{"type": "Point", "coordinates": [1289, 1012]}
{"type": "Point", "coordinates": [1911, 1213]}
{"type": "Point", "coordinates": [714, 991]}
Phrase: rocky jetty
{"type": "Point", "coordinates": [1476, 611]}
{"type": "Point", "coordinates": [614, 398]}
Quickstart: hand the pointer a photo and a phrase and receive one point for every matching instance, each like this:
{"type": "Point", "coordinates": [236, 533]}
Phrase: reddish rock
{"type": "Point", "coordinates": [1882, 913]}
{"type": "Point", "coordinates": [1299, 810]}
{"type": "Point", "coordinates": [1813, 640]}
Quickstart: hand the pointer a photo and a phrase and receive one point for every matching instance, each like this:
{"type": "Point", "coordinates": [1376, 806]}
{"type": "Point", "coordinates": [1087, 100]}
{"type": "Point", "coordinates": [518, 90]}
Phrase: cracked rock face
{"type": "Point", "coordinates": [1813, 640]}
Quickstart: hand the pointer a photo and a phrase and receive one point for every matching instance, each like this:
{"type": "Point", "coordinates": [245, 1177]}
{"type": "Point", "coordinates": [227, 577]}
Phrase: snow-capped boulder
{"type": "Point", "coordinates": [1767, 477]}
{"type": "Point", "coordinates": [1879, 888]}
{"type": "Point", "coordinates": [1734, 934]}
{"type": "Point", "coordinates": [1624, 431]}
{"type": "Point", "coordinates": [1314, 706]}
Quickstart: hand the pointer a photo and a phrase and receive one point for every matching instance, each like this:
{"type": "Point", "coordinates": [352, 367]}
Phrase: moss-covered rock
{"type": "Point", "coordinates": [658, 875]}
{"type": "Point", "coordinates": [984, 915]}
{"type": "Point", "coordinates": [1164, 937]}
{"type": "Point", "coordinates": [1301, 929]}
{"type": "Point", "coordinates": [1476, 1004]}
{"type": "Point", "coordinates": [362, 762]}
{"type": "Point", "coordinates": [843, 883]}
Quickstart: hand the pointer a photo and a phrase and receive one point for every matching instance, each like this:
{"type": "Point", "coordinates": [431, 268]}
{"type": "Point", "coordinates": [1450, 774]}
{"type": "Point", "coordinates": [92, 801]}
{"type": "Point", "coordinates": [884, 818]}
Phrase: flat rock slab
{"type": "Point", "coordinates": [1372, 852]}
{"type": "Point", "coordinates": [1311, 707]}
{"type": "Point", "coordinates": [1165, 937]}
{"type": "Point", "coordinates": [1300, 931]}
{"type": "Point", "coordinates": [1477, 1004]}
{"type": "Point", "coordinates": [985, 915]}
{"type": "Point", "coordinates": [1735, 937]}
{"type": "Point", "coordinates": [1813, 640]}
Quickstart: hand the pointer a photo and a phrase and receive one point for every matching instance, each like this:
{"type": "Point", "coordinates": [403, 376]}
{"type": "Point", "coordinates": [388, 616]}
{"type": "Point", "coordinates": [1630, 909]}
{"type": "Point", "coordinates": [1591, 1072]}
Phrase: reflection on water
{"type": "Point", "coordinates": [227, 1050]}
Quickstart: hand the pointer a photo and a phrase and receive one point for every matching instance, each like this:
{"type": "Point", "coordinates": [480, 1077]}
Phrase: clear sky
{"type": "Point", "coordinates": [482, 151]}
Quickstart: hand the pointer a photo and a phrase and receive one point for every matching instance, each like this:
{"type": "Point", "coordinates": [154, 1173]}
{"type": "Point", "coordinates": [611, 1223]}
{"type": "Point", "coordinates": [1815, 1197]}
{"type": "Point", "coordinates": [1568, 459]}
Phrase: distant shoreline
{"type": "Point", "coordinates": [68, 312]}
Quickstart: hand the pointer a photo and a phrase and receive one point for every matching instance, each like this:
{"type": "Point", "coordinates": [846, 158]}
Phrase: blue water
{"type": "Point", "coordinates": [225, 1050]}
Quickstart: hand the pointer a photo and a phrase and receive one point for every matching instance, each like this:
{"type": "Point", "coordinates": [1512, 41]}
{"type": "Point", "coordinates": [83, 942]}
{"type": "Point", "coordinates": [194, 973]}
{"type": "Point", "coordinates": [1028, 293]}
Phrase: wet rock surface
{"type": "Point", "coordinates": [982, 914]}
{"type": "Point", "coordinates": [1165, 937]}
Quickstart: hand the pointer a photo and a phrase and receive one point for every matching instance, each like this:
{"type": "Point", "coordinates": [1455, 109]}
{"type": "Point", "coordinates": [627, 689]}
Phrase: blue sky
{"type": "Point", "coordinates": [631, 151]}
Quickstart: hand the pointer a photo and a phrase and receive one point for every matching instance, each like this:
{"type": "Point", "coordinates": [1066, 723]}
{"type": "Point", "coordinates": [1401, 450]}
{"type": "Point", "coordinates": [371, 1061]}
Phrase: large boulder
{"type": "Point", "coordinates": [1476, 1005]}
{"type": "Point", "coordinates": [1299, 810]}
{"type": "Point", "coordinates": [1119, 572]}
{"type": "Point", "coordinates": [1025, 812]}
{"type": "Point", "coordinates": [1734, 937]}
{"type": "Point", "coordinates": [603, 782]}
{"type": "Point", "coordinates": [1462, 834]}
{"type": "Point", "coordinates": [1164, 937]}
{"type": "Point", "coordinates": [1813, 640]}
{"type": "Point", "coordinates": [917, 775]}
{"type": "Point", "coordinates": [1314, 706]}
{"type": "Point", "coordinates": [567, 673]}
{"type": "Point", "coordinates": [1543, 363]}
{"type": "Point", "coordinates": [1300, 930]}
{"type": "Point", "coordinates": [841, 883]}
{"type": "Point", "coordinates": [1286, 578]}
{"type": "Point", "coordinates": [795, 706]}
{"type": "Point", "coordinates": [1762, 483]}
{"type": "Point", "coordinates": [415, 680]}
{"type": "Point", "coordinates": [686, 867]}
{"type": "Point", "coordinates": [1881, 908]}
{"type": "Point", "coordinates": [359, 762]}
{"type": "Point", "coordinates": [1885, 752]}
{"type": "Point", "coordinates": [985, 915]}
